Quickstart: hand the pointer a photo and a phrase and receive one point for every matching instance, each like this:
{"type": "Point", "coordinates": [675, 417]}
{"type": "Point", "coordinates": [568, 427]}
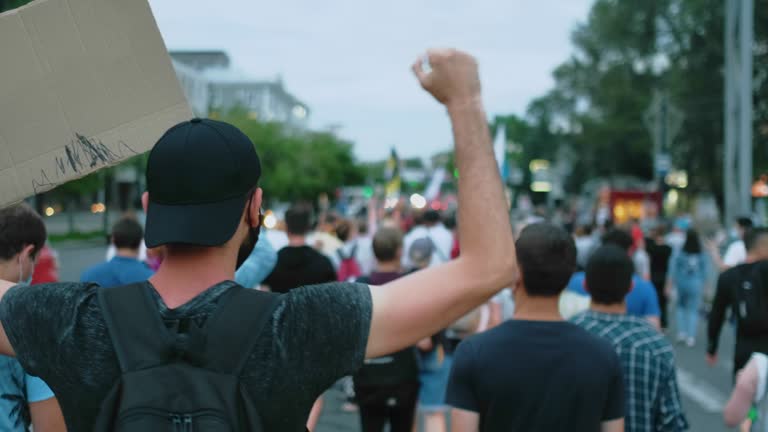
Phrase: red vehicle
{"type": "Point", "coordinates": [46, 266]}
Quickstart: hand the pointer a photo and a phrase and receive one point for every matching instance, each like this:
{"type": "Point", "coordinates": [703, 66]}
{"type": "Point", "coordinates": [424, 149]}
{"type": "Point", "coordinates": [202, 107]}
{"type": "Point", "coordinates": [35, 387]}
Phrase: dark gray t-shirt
{"type": "Point", "coordinates": [317, 334]}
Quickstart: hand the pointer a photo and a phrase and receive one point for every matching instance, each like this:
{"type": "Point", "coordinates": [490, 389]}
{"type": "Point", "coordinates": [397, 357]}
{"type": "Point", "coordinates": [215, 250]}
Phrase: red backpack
{"type": "Point", "coordinates": [349, 268]}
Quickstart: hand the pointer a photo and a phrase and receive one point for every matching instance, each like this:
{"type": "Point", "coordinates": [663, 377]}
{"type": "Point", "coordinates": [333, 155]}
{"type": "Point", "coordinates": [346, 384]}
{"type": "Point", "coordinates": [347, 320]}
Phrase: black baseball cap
{"type": "Point", "coordinates": [200, 176]}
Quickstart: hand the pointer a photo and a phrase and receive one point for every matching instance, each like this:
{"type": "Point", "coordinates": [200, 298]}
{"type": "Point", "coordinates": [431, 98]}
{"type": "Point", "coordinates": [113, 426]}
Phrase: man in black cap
{"type": "Point", "coordinates": [203, 205]}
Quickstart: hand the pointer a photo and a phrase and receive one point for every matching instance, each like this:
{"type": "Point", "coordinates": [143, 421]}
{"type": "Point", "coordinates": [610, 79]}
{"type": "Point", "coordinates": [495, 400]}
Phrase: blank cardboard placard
{"type": "Point", "coordinates": [85, 84]}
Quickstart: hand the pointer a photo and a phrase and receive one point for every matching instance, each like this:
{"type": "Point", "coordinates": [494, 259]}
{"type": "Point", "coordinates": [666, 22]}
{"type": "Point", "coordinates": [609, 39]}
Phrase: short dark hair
{"type": "Point", "coordinates": [20, 226]}
{"type": "Point", "coordinates": [127, 234]}
{"type": "Point", "coordinates": [753, 236]}
{"type": "Point", "coordinates": [744, 222]}
{"type": "Point", "coordinates": [620, 238]}
{"type": "Point", "coordinates": [431, 217]}
{"type": "Point", "coordinates": [298, 219]}
{"type": "Point", "coordinates": [386, 243]}
{"type": "Point", "coordinates": [343, 230]}
{"type": "Point", "coordinates": [692, 244]}
{"type": "Point", "coordinates": [609, 275]}
{"type": "Point", "coordinates": [546, 255]}
{"type": "Point", "coordinates": [362, 226]}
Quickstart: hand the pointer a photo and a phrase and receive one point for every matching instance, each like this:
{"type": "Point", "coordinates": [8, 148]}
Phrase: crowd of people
{"type": "Point", "coordinates": [204, 320]}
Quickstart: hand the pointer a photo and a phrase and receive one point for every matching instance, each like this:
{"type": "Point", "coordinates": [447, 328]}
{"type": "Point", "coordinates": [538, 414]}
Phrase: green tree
{"type": "Point", "coordinates": [299, 165]}
{"type": "Point", "coordinates": [623, 53]}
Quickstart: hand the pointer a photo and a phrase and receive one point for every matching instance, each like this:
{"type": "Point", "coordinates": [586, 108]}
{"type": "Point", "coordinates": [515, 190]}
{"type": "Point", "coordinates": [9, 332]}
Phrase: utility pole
{"type": "Point", "coordinates": [663, 121]}
{"type": "Point", "coordinates": [737, 170]}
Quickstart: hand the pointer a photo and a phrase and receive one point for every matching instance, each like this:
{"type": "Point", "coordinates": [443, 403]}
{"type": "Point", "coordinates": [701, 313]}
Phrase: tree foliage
{"type": "Point", "coordinates": [299, 165]}
{"type": "Point", "coordinates": [622, 55]}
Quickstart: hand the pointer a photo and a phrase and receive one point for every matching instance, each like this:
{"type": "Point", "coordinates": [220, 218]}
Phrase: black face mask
{"type": "Point", "coordinates": [246, 248]}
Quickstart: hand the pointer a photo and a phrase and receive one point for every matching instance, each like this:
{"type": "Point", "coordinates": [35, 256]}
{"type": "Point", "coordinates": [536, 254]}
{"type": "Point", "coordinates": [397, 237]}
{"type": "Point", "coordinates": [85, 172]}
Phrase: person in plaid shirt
{"type": "Point", "coordinates": [650, 381]}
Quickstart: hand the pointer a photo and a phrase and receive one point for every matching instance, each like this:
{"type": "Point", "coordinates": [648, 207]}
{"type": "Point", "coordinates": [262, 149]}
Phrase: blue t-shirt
{"type": "Point", "coordinates": [117, 271]}
{"type": "Point", "coordinates": [17, 391]}
{"type": "Point", "coordinates": [642, 301]}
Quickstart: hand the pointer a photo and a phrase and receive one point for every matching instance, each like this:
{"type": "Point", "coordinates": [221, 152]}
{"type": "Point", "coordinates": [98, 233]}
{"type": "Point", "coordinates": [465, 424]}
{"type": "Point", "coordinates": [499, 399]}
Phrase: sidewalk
{"type": "Point", "coordinates": [333, 418]}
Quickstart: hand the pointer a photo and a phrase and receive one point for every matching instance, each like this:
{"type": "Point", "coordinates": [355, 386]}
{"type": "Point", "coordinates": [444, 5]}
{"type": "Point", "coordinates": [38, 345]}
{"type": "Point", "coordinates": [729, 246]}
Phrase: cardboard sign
{"type": "Point", "coordinates": [85, 84]}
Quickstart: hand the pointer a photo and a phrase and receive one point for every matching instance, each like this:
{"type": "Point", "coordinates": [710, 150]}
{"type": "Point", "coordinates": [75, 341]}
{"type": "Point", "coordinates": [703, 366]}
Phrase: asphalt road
{"type": "Point", "coordinates": [704, 389]}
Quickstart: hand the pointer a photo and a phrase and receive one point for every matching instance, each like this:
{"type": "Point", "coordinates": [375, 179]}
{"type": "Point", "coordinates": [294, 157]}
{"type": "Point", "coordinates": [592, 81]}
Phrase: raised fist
{"type": "Point", "coordinates": [453, 77]}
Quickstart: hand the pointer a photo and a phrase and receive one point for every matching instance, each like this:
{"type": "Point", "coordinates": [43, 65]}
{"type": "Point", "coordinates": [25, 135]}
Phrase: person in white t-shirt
{"type": "Point", "coordinates": [434, 230]}
{"type": "Point", "coordinates": [737, 252]}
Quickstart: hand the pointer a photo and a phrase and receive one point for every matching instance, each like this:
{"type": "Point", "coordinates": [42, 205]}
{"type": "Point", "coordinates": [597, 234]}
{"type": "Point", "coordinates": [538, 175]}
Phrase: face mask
{"type": "Point", "coordinates": [246, 248]}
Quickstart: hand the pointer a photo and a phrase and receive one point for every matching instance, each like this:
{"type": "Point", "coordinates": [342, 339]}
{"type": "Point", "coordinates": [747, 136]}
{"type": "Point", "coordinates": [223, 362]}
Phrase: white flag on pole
{"type": "Point", "coordinates": [433, 189]}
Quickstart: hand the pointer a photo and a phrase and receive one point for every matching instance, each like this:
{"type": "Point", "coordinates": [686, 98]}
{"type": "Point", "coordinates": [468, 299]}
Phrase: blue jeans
{"type": "Point", "coordinates": [688, 301]}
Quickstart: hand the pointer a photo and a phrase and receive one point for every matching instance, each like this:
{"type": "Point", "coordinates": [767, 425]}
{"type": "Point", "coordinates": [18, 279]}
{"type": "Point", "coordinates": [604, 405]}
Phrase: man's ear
{"type": "Point", "coordinates": [26, 253]}
{"type": "Point", "coordinates": [255, 208]}
{"type": "Point", "coordinates": [145, 201]}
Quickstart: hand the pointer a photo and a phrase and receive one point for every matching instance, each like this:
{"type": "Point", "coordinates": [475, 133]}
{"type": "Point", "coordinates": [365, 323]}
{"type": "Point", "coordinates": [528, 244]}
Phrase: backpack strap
{"type": "Point", "coordinates": [236, 326]}
{"type": "Point", "coordinates": [139, 337]}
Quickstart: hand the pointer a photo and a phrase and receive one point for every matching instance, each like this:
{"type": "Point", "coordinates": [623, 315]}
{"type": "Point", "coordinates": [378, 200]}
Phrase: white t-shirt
{"type": "Point", "coordinates": [112, 251]}
{"type": "Point", "coordinates": [735, 254]}
{"type": "Point", "coordinates": [642, 263]}
{"type": "Point", "coordinates": [441, 237]}
{"type": "Point", "coordinates": [507, 303]}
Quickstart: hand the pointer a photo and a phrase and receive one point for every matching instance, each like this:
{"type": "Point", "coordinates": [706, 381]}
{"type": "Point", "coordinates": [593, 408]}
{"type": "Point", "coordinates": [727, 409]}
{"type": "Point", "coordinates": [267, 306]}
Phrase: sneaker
{"type": "Point", "coordinates": [681, 338]}
{"type": "Point", "coordinates": [690, 342]}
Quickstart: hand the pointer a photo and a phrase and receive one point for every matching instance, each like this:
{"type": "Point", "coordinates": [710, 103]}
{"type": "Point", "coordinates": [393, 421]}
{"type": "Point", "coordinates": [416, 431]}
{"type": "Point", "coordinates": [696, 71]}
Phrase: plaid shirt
{"type": "Point", "coordinates": [653, 401]}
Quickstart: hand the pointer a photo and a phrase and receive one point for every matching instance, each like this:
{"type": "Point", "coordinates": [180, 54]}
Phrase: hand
{"type": "Point", "coordinates": [711, 360]}
{"type": "Point", "coordinates": [425, 344]}
{"type": "Point", "coordinates": [453, 79]}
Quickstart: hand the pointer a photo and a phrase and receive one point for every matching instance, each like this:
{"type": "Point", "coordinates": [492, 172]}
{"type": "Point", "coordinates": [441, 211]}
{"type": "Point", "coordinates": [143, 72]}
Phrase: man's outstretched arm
{"type": "Point", "coordinates": [413, 307]}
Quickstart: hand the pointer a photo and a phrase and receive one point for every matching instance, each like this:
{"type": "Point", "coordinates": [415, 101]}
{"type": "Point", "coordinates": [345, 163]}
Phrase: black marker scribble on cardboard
{"type": "Point", "coordinates": [80, 155]}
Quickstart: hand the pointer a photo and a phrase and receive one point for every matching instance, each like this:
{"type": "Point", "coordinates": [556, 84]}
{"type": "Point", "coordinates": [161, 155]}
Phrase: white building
{"type": "Point", "coordinates": [213, 86]}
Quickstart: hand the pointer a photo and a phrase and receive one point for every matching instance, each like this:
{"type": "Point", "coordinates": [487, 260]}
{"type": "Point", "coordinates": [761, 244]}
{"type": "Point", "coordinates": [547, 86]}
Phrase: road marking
{"type": "Point", "coordinates": [704, 394]}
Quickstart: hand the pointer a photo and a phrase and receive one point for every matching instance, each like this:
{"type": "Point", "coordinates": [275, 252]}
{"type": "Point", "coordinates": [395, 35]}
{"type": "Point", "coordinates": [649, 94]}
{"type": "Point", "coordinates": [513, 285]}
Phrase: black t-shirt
{"type": "Point", "coordinates": [316, 335]}
{"type": "Point", "coordinates": [659, 255]}
{"type": "Point", "coordinates": [537, 376]}
{"type": "Point", "coordinates": [299, 266]}
{"type": "Point", "coordinates": [393, 369]}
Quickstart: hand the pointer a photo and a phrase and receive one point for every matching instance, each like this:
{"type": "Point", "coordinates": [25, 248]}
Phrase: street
{"type": "Point", "coordinates": [704, 390]}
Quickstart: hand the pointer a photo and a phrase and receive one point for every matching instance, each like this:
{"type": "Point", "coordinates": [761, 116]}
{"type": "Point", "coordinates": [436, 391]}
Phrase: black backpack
{"type": "Point", "coordinates": [751, 300]}
{"type": "Point", "coordinates": [185, 379]}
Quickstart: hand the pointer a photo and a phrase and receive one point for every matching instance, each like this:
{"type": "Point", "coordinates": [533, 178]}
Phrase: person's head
{"type": "Point", "coordinates": [583, 231]}
{"type": "Point", "coordinates": [346, 230]}
{"type": "Point", "coordinates": [620, 238]}
{"type": "Point", "coordinates": [329, 224]}
{"type": "Point", "coordinates": [420, 252]}
{"type": "Point", "coordinates": [202, 192]}
{"type": "Point", "coordinates": [388, 245]}
{"type": "Point", "coordinates": [298, 219]}
{"type": "Point", "coordinates": [362, 227]}
{"type": "Point", "coordinates": [692, 244]}
{"type": "Point", "coordinates": [658, 232]}
{"type": "Point", "coordinates": [609, 275]}
{"type": "Point", "coordinates": [127, 234]}
{"type": "Point", "coordinates": [756, 242]}
{"type": "Point", "coordinates": [742, 225]}
{"type": "Point", "coordinates": [22, 236]}
{"type": "Point", "coordinates": [431, 218]}
{"type": "Point", "coordinates": [546, 255]}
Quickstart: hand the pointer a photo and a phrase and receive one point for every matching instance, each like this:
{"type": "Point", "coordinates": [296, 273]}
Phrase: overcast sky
{"type": "Point", "coordinates": [349, 59]}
